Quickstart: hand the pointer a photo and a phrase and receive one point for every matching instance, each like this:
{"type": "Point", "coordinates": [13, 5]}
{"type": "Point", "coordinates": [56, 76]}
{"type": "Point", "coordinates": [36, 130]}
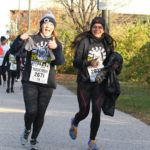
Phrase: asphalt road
{"type": "Point", "coordinates": [121, 132]}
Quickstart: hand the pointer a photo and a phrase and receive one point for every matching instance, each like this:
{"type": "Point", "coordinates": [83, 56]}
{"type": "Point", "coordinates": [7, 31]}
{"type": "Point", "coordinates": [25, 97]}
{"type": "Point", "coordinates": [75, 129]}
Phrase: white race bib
{"type": "Point", "coordinates": [93, 71]}
{"type": "Point", "coordinates": [98, 53]}
{"type": "Point", "coordinates": [39, 73]}
{"type": "Point", "coordinates": [13, 66]}
{"type": "Point", "coordinates": [12, 61]}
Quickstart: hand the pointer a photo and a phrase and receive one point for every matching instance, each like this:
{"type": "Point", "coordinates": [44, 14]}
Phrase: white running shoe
{"type": "Point", "coordinates": [24, 136]}
{"type": "Point", "coordinates": [33, 144]}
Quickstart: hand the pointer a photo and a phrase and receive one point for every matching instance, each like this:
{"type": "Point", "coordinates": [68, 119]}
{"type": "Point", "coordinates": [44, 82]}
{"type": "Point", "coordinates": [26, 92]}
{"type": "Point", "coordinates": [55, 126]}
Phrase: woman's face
{"type": "Point", "coordinates": [47, 29]}
{"type": "Point", "coordinates": [97, 30]}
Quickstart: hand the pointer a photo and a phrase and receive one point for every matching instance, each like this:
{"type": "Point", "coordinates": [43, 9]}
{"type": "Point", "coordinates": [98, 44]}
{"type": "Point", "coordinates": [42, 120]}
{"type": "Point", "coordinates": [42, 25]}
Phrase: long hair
{"type": "Point", "coordinates": [54, 34]}
{"type": "Point", "coordinates": [108, 38]}
{"type": "Point", "coordinates": [110, 41]}
{"type": "Point", "coordinates": [79, 37]}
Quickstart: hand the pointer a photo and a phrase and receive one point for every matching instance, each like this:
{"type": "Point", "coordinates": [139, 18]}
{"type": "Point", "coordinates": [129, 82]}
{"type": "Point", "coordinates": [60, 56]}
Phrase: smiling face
{"type": "Point", "coordinates": [97, 30]}
{"type": "Point", "coordinates": [47, 29]}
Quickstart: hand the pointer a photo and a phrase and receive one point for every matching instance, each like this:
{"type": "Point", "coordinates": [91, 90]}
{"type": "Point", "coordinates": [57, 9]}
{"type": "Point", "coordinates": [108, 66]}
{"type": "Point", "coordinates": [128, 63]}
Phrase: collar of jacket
{"type": "Point", "coordinates": [93, 39]}
{"type": "Point", "coordinates": [44, 37]}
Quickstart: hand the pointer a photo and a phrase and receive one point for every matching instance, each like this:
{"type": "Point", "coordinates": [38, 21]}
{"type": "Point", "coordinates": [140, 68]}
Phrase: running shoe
{"type": "Point", "coordinates": [12, 90]}
{"type": "Point", "coordinates": [34, 144]}
{"type": "Point", "coordinates": [92, 145]}
{"type": "Point", "coordinates": [24, 136]}
{"type": "Point", "coordinates": [73, 130]}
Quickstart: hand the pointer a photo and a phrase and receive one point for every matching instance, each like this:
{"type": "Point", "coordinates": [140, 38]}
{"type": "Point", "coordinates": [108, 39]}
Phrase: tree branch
{"type": "Point", "coordinates": [80, 13]}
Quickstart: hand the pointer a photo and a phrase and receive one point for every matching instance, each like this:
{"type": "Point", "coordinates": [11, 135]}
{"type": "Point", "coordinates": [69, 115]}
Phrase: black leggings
{"type": "Point", "coordinates": [11, 76]}
{"type": "Point", "coordinates": [85, 93]}
{"type": "Point", "coordinates": [36, 100]}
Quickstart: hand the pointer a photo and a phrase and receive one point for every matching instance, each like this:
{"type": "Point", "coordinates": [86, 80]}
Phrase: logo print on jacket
{"type": "Point", "coordinates": [42, 54]}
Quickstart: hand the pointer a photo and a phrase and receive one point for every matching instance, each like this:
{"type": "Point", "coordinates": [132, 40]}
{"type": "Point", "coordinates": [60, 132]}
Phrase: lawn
{"type": "Point", "coordinates": [134, 98]}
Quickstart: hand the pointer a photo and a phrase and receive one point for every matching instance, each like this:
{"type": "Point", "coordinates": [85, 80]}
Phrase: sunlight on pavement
{"type": "Point", "coordinates": [5, 110]}
{"type": "Point", "coordinates": [114, 121]}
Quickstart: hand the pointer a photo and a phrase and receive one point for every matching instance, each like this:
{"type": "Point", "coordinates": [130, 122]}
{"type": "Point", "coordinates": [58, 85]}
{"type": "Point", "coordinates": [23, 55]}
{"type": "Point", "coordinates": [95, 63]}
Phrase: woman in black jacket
{"type": "Point", "coordinates": [12, 67]}
{"type": "Point", "coordinates": [92, 50]}
{"type": "Point", "coordinates": [44, 52]}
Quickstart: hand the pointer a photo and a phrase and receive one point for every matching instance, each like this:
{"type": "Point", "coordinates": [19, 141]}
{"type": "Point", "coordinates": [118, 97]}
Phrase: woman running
{"type": "Point", "coordinates": [44, 52]}
{"type": "Point", "coordinates": [93, 47]}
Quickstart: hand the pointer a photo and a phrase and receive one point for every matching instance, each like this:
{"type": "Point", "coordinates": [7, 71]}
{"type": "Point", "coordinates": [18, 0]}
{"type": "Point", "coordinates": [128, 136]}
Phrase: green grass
{"type": "Point", "coordinates": [134, 98]}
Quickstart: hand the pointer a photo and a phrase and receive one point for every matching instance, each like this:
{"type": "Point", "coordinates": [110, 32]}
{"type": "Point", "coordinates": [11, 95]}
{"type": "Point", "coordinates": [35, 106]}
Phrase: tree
{"type": "Point", "coordinates": [81, 12]}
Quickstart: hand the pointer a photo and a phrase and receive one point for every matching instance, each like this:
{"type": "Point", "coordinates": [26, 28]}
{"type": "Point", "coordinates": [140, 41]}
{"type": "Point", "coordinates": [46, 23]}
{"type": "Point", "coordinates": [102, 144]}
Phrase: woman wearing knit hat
{"type": "Point", "coordinates": [92, 50]}
{"type": "Point", "coordinates": [43, 53]}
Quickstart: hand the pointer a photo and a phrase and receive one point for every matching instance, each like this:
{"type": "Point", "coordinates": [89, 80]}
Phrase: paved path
{"type": "Point", "coordinates": [121, 132]}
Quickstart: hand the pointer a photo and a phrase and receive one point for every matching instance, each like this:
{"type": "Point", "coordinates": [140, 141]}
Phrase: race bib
{"type": "Point", "coordinates": [98, 53]}
{"type": "Point", "coordinates": [12, 61]}
{"type": "Point", "coordinates": [93, 71]}
{"type": "Point", "coordinates": [39, 73]}
{"type": "Point", "coordinates": [13, 66]}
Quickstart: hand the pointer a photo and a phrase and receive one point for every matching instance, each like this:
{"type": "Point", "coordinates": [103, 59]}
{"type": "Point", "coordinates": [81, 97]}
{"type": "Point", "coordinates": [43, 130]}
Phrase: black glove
{"type": "Point", "coordinates": [101, 76]}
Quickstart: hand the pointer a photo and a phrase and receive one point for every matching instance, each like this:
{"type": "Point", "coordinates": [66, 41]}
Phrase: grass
{"type": "Point", "coordinates": [134, 98]}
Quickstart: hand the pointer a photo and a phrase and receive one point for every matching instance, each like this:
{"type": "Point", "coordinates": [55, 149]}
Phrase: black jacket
{"type": "Point", "coordinates": [112, 86]}
{"type": "Point", "coordinates": [81, 55]}
{"type": "Point", "coordinates": [8, 60]}
{"type": "Point", "coordinates": [39, 52]}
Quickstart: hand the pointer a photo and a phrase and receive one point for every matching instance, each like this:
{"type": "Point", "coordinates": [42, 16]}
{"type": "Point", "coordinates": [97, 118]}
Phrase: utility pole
{"type": "Point", "coordinates": [105, 14]}
{"type": "Point", "coordinates": [29, 14]}
{"type": "Point", "coordinates": [18, 17]}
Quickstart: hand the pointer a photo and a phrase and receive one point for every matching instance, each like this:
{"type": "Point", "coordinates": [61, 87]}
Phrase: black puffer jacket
{"type": "Point", "coordinates": [112, 86]}
{"type": "Point", "coordinates": [39, 53]}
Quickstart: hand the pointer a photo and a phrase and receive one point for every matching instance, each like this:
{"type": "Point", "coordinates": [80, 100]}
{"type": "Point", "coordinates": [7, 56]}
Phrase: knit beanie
{"type": "Point", "coordinates": [3, 38]}
{"type": "Point", "coordinates": [99, 20]}
{"type": "Point", "coordinates": [48, 17]}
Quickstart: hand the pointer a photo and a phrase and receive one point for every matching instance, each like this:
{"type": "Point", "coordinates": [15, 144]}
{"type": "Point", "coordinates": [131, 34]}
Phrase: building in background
{"type": "Point", "coordinates": [11, 5]}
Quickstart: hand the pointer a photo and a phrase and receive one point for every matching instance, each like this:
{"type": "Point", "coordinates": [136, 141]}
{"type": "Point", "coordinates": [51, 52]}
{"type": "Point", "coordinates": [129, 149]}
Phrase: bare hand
{"type": "Point", "coordinates": [94, 63]}
{"type": "Point", "coordinates": [52, 43]}
{"type": "Point", "coordinates": [24, 36]}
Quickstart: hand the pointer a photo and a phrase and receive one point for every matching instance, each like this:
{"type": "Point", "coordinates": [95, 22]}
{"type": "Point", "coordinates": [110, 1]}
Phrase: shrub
{"type": "Point", "coordinates": [133, 45]}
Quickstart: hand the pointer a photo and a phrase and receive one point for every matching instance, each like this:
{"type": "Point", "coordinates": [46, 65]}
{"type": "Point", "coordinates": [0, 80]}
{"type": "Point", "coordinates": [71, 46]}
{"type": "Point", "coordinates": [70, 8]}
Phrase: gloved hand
{"type": "Point", "coordinates": [101, 76]}
{"type": "Point", "coordinates": [29, 44]}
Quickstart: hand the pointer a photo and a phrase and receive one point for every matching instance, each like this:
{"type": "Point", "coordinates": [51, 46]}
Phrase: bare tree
{"type": "Point", "coordinates": [81, 12]}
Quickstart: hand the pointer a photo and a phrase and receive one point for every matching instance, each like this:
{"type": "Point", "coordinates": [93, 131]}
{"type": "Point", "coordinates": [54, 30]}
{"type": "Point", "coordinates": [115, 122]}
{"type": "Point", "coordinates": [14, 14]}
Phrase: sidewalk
{"type": "Point", "coordinates": [121, 132]}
